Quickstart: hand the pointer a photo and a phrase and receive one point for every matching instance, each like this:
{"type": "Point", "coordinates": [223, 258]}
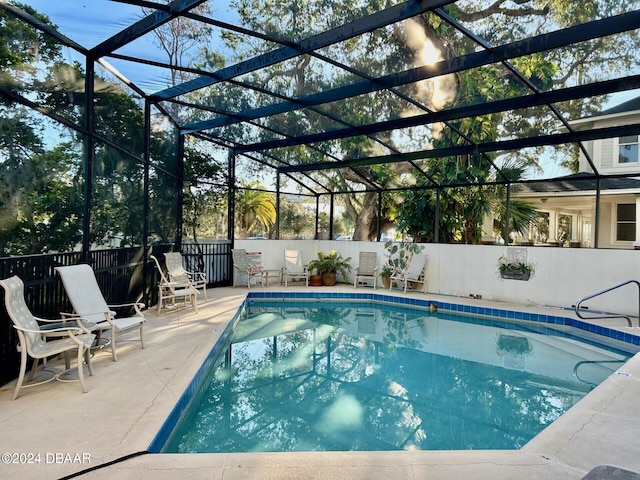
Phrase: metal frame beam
{"type": "Point", "coordinates": [48, 29]}
{"type": "Point", "coordinates": [537, 44]}
{"type": "Point", "coordinates": [143, 26]}
{"type": "Point", "coordinates": [527, 101]}
{"type": "Point", "coordinates": [335, 35]}
{"type": "Point", "coordinates": [518, 144]}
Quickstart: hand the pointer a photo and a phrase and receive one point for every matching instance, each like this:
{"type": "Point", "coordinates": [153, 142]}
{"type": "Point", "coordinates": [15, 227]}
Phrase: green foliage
{"type": "Point", "coordinates": [416, 214]}
{"type": "Point", "coordinates": [506, 264]}
{"type": "Point", "coordinates": [42, 185]}
{"type": "Point", "coordinates": [297, 219]}
{"type": "Point", "coordinates": [202, 199]}
{"type": "Point", "coordinates": [40, 205]}
{"type": "Point", "coordinates": [22, 47]}
{"type": "Point", "coordinates": [461, 211]}
{"type": "Point", "coordinates": [255, 209]}
{"type": "Point", "coordinates": [331, 262]}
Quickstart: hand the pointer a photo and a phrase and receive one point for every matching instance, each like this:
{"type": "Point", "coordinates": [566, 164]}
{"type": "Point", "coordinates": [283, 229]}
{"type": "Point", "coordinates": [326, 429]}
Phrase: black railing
{"type": "Point", "coordinates": [212, 258]}
{"type": "Point", "coordinates": [122, 274]}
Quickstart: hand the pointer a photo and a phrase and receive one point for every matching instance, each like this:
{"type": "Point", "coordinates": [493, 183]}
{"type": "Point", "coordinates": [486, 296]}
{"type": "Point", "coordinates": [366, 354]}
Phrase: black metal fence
{"type": "Point", "coordinates": [124, 275]}
{"type": "Point", "coordinates": [212, 258]}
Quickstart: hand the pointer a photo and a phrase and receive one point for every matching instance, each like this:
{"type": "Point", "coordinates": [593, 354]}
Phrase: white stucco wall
{"type": "Point", "coordinates": [563, 275]}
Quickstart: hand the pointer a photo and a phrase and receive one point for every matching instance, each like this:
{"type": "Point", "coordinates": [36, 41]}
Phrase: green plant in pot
{"type": "Point", "coordinates": [329, 265]}
{"type": "Point", "coordinates": [386, 273]}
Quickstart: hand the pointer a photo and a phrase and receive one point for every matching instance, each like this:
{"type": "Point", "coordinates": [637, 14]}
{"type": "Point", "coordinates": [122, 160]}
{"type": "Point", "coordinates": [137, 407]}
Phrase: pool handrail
{"type": "Point", "coordinates": [608, 315]}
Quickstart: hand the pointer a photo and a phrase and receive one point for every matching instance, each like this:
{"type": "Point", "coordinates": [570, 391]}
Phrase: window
{"type": "Point", "coordinates": [564, 234]}
{"type": "Point", "coordinates": [626, 222]}
{"type": "Point", "coordinates": [628, 149]}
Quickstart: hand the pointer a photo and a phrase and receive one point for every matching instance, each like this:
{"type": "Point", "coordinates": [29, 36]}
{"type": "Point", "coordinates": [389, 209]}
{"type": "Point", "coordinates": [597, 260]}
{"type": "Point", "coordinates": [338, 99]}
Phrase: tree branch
{"type": "Point", "coordinates": [497, 8]}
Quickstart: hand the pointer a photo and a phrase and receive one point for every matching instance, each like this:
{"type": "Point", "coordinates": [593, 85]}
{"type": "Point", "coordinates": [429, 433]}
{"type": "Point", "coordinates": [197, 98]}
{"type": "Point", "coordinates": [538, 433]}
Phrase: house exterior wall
{"type": "Point", "coordinates": [604, 152]}
{"type": "Point", "coordinates": [604, 155]}
{"type": "Point", "coordinates": [562, 275]}
{"type": "Point", "coordinates": [604, 235]}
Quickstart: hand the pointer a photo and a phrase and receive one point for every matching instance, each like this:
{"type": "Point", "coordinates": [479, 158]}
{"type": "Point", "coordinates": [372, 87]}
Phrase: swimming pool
{"type": "Point", "coordinates": [470, 382]}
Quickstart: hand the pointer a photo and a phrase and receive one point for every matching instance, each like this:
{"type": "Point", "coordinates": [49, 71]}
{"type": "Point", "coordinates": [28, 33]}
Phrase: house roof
{"type": "Point", "coordinates": [628, 106]}
{"type": "Point", "coordinates": [579, 183]}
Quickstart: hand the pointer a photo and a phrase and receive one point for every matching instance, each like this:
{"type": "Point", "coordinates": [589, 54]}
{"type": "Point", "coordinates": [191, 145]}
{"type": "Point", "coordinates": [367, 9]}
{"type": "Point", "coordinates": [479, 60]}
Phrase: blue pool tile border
{"type": "Point", "coordinates": [606, 332]}
{"type": "Point", "coordinates": [163, 434]}
{"type": "Point", "coordinates": [171, 421]}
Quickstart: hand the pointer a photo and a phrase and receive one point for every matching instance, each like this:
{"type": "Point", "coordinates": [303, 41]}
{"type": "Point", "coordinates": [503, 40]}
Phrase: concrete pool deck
{"type": "Point", "coordinates": [54, 430]}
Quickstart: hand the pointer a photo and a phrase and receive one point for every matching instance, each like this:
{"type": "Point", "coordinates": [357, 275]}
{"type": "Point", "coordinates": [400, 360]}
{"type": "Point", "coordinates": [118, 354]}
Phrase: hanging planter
{"type": "Point", "coordinates": [515, 275]}
{"type": "Point", "coordinates": [514, 269]}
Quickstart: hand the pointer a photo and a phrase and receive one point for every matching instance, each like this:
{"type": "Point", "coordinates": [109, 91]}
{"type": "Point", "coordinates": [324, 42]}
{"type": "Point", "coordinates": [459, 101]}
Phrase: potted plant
{"type": "Point", "coordinates": [386, 273]}
{"type": "Point", "coordinates": [315, 279]}
{"type": "Point", "coordinates": [329, 265]}
{"type": "Point", "coordinates": [515, 269]}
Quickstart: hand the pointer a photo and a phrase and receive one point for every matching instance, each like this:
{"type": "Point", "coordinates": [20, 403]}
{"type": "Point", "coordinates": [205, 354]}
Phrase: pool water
{"type": "Point", "coordinates": [337, 376]}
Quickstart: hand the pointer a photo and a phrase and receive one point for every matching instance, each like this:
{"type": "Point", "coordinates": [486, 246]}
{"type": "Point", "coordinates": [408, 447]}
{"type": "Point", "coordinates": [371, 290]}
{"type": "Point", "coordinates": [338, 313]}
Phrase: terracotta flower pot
{"type": "Point", "coordinates": [329, 279]}
{"type": "Point", "coordinates": [315, 280]}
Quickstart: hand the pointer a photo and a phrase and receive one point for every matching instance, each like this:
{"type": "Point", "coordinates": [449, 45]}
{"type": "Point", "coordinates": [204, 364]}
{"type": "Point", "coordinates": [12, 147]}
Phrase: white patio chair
{"type": "Point", "coordinates": [367, 269]}
{"type": "Point", "coordinates": [241, 267]}
{"type": "Point", "coordinates": [88, 302]}
{"type": "Point", "coordinates": [414, 272]}
{"type": "Point", "coordinates": [177, 273]}
{"type": "Point", "coordinates": [293, 267]}
{"type": "Point", "coordinates": [33, 341]}
{"type": "Point", "coordinates": [170, 291]}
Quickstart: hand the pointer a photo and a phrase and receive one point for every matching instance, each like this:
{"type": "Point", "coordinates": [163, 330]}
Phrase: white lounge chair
{"type": "Point", "coordinates": [367, 269]}
{"type": "Point", "coordinates": [36, 340]}
{"type": "Point", "coordinates": [178, 275]}
{"type": "Point", "coordinates": [88, 302]}
{"type": "Point", "coordinates": [170, 291]}
{"type": "Point", "coordinates": [293, 267]}
{"type": "Point", "coordinates": [241, 267]}
{"type": "Point", "coordinates": [414, 272]}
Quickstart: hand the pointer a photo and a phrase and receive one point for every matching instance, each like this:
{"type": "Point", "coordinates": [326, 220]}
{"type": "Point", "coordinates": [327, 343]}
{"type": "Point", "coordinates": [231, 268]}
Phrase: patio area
{"type": "Point", "coordinates": [127, 402]}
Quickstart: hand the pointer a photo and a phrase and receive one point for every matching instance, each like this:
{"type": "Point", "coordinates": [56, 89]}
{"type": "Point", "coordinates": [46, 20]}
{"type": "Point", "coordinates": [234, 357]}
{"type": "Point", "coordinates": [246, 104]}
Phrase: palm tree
{"type": "Point", "coordinates": [255, 207]}
{"type": "Point", "coordinates": [522, 214]}
{"type": "Point", "coordinates": [461, 209]}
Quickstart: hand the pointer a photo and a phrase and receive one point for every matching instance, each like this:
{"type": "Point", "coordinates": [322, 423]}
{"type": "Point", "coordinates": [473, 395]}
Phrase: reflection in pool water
{"type": "Point", "coordinates": [313, 376]}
